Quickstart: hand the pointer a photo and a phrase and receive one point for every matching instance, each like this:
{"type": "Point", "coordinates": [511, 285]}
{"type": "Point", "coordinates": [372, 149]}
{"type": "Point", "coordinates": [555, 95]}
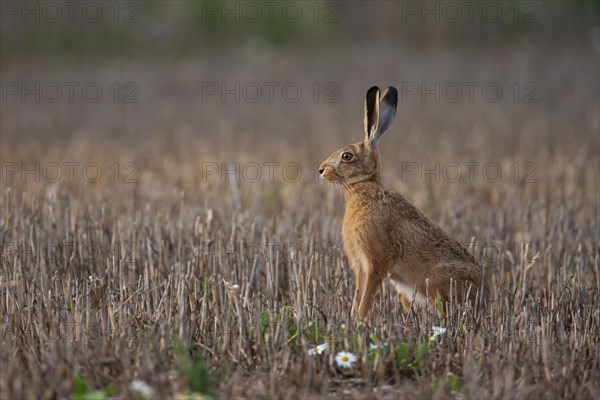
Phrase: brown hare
{"type": "Point", "coordinates": [385, 235]}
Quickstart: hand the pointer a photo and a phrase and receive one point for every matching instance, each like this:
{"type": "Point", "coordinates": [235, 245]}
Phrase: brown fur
{"type": "Point", "coordinates": [385, 235]}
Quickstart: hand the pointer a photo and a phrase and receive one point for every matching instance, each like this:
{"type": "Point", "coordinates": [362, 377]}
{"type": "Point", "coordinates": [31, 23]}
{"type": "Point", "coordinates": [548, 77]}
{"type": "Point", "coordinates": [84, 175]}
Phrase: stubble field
{"type": "Point", "coordinates": [166, 268]}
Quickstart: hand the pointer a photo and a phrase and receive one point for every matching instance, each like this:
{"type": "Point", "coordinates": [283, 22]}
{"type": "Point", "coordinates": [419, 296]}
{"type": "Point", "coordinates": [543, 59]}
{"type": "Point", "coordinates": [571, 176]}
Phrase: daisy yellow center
{"type": "Point", "coordinates": [345, 358]}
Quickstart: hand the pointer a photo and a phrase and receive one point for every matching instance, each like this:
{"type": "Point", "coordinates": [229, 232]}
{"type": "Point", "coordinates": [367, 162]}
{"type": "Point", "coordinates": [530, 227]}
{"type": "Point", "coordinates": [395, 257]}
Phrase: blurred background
{"type": "Point", "coordinates": [159, 90]}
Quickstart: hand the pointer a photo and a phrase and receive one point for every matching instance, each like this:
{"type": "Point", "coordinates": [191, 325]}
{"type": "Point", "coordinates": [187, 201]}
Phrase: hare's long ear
{"type": "Point", "coordinates": [385, 111]}
{"type": "Point", "coordinates": [371, 112]}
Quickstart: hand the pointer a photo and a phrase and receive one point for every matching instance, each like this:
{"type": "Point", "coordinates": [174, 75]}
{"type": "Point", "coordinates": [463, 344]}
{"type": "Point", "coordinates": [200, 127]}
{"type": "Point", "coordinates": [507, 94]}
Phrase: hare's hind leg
{"type": "Point", "coordinates": [405, 302]}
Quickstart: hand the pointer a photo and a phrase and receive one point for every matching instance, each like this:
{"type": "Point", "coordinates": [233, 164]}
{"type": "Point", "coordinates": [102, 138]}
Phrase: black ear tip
{"type": "Point", "coordinates": [372, 90]}
{"type": "Point", "coordinates": [392, 92]}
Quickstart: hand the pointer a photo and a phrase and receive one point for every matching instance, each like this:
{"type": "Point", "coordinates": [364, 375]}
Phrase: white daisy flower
{"type": "Point", "coordinates": [375, 346]}
{"type": "Point", "coordinates": [191, 396]}
{"type": "Point", "coordinates": [437, 331]}
{"type": "Point", "coordinates": [142, 388]}
{"type": "Point", "coordinates": [320, 349]}
{"type": "Point", "coordinates": [345, 359]}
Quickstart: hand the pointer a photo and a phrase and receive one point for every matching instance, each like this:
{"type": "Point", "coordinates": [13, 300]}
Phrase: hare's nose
{"type": "Point", "coordinates": [321, 170]}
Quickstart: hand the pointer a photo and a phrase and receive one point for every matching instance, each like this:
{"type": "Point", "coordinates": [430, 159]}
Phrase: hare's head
{"type": "Point", "coordinates": [359, 162]}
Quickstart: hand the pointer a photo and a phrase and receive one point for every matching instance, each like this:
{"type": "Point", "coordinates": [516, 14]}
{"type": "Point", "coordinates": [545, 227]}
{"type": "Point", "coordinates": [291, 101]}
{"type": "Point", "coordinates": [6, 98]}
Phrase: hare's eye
{"type": "Point", "coordinates": [346, 156]}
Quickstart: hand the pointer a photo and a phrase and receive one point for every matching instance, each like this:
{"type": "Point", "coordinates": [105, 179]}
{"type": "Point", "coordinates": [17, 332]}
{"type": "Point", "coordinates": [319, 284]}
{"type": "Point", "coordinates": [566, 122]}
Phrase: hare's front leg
{"type": "Point", "coordinates": [371, 287]}
{"type": "Point", "coordinates": [359, 281]}
{"type": "Point", "coordinates": [355, 263]}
